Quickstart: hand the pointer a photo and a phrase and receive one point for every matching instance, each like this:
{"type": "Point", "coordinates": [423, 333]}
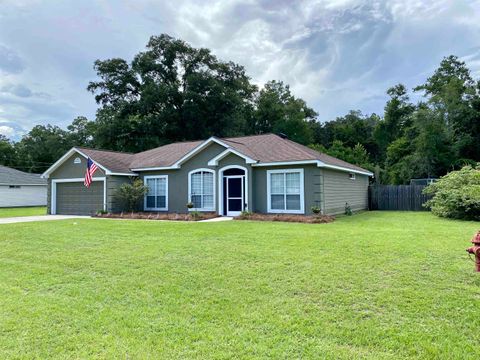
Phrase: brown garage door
{"type": "Point", "coordinates": [75, 199]}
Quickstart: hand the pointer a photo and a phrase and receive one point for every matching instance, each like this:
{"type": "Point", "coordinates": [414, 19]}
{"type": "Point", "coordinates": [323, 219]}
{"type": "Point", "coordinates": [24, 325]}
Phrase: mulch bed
{"type": "Point", "coordinates": [308, 219]}
{"type": "Point", "coordinates": [158, 216]}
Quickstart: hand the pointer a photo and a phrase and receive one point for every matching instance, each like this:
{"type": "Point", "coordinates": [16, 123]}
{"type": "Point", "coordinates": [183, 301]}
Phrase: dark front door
{"type": "Point", "coordinates": [234, 195]}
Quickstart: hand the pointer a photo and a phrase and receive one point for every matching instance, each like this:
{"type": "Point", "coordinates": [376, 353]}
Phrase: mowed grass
{"type": "Point", "coordinates": [382, 285]}
{"type": "Point", "coordinates": [22, 211]}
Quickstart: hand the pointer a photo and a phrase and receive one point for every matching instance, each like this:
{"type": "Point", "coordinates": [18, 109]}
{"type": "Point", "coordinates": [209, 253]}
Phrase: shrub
{"type": "Point", "coordinates": [132, 194]}
{"type": "Point", "coordinates": [456, 195]}
{"type": "Point", "coordinates": [348, 209]}
{"type": "Point", "coordinates": [316, 210]}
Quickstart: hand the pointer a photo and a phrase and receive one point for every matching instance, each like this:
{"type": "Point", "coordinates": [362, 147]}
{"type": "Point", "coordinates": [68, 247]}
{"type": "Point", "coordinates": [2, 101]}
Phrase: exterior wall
{"type": "Point", "coordinates": [26, 195]}
{"type": "Point", "coordinates": [339, 189]}
{"type": "Point", "coordinates": [114, 204]}
{"type": "Point", "coordinates": [178, 178]}
{"type": "Point", "coordinates": [312, 188]}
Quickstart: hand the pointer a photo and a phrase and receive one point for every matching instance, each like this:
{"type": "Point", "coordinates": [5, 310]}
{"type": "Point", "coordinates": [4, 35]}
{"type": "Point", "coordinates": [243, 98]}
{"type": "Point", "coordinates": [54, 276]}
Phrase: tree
{"type": "Point", "coordinates": [351, 129]}
{"type": "Point", "coordinates": [81, 132]}
{"type": "Point", "coordinates": [397, 118]}
{"type": "Point", "coordinates": [169, 92]}
{"type": "Point", "coordinates": [41, 147]}
{"type": "Point", "coordinates": [453, 93]}
{"type": "Point", "coordinates": [278, 111]}
{"type": "Point", "coordinates": [356, 155]}
{"type": "Point", "coordinates": [7, 152]}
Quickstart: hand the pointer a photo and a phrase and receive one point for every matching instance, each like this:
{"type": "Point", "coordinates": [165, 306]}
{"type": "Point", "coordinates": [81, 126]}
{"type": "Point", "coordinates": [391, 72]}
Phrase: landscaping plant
{"type": "Point", "coordinates": [132, 194]}
{"type": "Point", "coordinates": [457, 194]}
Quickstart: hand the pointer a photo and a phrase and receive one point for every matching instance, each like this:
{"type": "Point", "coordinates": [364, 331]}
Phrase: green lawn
{"type": "Point", "coordinates": [22, 211]}
{"type": "Point", "coordinates": [383, 285]}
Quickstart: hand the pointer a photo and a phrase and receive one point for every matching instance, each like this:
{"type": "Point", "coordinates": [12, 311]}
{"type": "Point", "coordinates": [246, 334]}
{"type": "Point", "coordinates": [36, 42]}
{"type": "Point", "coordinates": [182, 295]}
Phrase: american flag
{"type": "Point", "coordinates": [91, 168]}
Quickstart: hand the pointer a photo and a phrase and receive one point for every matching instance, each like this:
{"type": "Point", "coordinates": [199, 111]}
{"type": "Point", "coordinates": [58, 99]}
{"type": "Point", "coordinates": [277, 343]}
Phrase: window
{"type": "Point", "coordinates": [285, 191]}
{"type": "Point", "coordinates": [201, 189]}
{"type": "Point", "coordinates": [77, 161]}
{"type": "Point", "coordinates": [157, 195]}
{"type": "Point", "coordinates": [351, 176]}
{"type": "Point", "coordinates": [14, 186]}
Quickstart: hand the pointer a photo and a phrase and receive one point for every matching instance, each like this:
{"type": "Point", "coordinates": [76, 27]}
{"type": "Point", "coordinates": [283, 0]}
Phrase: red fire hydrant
{"type": "Point", "coordinates": [475, 250]}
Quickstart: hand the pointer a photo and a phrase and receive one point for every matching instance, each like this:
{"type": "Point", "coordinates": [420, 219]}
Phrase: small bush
{"type": "Point", "coordinates": [316, 210]}
{"type": "Point", "coordinates": [132, 194]}
{"type": "Point", "coordinates": [456, 195]}
{"type": "Point", "coordinates": [348, 210]}
{"type": "Point", "coordinates": [195, 215]}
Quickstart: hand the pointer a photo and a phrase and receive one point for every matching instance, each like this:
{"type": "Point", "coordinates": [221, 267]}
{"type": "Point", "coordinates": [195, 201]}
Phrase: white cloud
{"type": "Point", "coordinates": [7, 131]}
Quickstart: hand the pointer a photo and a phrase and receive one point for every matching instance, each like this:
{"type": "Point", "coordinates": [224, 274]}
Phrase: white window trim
{"type": "Point", "coordinates": [53, 195]}
{"type": "Point", "coordinates": [145, 178]}
{"type": "Point", "coordinates": [351, 176]}
{"type": "Point", "coordinates": [302, 192]}
{"type": "Point", "coordinates": [190, 189]}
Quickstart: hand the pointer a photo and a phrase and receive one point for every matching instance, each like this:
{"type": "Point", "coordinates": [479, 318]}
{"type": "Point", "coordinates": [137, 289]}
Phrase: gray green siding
{"type": "Point", "coordinates": [339, 189]}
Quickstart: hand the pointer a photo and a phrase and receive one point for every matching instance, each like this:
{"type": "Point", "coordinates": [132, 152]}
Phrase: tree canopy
{"type": "Point", "coordinates": [172, 91]}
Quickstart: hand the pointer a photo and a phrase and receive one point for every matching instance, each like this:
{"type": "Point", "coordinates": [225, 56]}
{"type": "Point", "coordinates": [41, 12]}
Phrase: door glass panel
{"type": "Point", "coordinates": [235, 187]}
{"type": "Point", "coordinates": [235, 205]}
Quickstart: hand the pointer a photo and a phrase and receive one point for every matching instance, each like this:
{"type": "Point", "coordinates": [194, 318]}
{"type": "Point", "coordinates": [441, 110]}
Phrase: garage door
{"type": "Point", "coordinates": [73, 198]}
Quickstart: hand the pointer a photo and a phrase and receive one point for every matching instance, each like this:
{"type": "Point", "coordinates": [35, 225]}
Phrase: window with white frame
{"type": "Point", "coordinates": [285, 191]}
{"type": "Point", "coordinates": [157, 195]}
{"type": "Point", "coordinates": [201, 185]}
{"type": "Point", "coordinates": [351, 176]}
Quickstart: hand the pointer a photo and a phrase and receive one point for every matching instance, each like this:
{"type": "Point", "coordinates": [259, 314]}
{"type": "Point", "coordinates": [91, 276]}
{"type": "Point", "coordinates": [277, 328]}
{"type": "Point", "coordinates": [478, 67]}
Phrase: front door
{"type": "Point", "coordinates": [234, 195]}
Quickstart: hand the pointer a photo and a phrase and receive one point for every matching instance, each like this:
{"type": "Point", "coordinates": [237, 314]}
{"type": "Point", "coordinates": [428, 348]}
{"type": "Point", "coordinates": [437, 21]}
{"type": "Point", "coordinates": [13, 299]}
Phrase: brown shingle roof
{"type": "Point", "coordinates": [112, 160]}
{"type": "Point", "coordinates": [165, 155]}
{"type": "Point", "coordinates": [266, 148]}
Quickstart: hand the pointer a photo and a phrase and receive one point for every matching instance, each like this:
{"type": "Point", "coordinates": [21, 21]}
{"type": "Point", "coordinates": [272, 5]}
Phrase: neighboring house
{"type": "Point", "coordinates": [18, 188]}
{"type": "Point", "coordinates": [262, 173]}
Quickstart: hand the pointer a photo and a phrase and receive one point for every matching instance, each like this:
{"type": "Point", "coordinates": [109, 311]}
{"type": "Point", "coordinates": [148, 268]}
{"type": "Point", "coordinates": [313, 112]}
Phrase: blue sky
{"type": "Point", "coordinates": [336, 54]}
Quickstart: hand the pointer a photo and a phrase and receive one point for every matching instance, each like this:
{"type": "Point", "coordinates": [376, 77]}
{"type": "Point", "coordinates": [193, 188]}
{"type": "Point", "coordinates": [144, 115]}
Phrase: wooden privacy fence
{"type": "Point", "coordinates": [397, 197]}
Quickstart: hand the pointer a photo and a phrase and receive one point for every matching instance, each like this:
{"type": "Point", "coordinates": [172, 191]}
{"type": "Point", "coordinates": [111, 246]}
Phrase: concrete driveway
{"type": "Point", "coordinates": [21, 219]}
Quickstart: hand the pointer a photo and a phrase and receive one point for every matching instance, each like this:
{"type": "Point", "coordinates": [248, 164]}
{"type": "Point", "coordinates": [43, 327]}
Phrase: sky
{"type": "Point", "coordinates": [338, 55]}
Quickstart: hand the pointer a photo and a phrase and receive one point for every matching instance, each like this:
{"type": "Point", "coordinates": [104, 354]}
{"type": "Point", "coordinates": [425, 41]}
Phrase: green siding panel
{"type": "Point", "coordinates": [339, 189]}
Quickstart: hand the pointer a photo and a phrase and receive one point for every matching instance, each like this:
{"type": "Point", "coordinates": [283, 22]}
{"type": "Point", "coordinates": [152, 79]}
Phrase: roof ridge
{"type": "Point", "coordinates": [104, 150]}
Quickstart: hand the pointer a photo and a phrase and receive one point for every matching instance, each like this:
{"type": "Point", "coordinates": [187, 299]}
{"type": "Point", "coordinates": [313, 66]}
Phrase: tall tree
{"type": "Point", "coordinates": [397, 118]}
{"type": "Point", "coordinates": [454, 94]}
{"type": "Point", "coordinates": [169, 92]}
{"type": "Point", "coordinates": [278, 111]}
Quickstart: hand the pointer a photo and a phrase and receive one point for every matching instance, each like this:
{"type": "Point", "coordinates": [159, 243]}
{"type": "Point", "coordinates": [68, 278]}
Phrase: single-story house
{"type": "Point", "coordinates": [262, 173]}
{"type": "Point", "coordinates": [18, 188]}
